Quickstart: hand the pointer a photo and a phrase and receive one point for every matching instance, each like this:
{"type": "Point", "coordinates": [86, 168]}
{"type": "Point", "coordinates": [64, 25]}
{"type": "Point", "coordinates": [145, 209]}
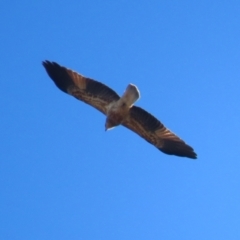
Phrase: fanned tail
{"type": "Point", "coordinates": [131, 95]}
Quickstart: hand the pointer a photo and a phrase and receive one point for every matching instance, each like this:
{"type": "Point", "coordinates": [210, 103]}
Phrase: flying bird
{"type": "Point", "coordinates": [119, 110]}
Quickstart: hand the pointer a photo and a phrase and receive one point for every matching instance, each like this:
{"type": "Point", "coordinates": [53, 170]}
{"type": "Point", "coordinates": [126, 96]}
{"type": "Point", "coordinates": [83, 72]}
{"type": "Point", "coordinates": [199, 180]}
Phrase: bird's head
{"type": "Point", "coordinates": [109, 124]}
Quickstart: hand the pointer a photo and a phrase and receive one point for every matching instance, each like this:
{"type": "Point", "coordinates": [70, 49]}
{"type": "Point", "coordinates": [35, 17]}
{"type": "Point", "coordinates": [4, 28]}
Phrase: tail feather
{"type": "Point", "coordinates": [131, 95]}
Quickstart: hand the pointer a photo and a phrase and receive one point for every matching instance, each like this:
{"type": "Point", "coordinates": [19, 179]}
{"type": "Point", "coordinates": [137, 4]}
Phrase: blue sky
{"type": "Point", "coordinates": [63, 177]}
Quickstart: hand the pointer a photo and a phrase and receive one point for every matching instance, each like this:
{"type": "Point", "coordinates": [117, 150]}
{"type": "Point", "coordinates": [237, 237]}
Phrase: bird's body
{"type": "Point", "coordinates": [119, 110]}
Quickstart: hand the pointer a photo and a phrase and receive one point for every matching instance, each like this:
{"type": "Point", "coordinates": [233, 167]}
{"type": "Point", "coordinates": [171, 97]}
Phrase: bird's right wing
{"type": "Point", "coordinates": [153, 131]}
{"type": "Point", "coordinates": [85, 89]}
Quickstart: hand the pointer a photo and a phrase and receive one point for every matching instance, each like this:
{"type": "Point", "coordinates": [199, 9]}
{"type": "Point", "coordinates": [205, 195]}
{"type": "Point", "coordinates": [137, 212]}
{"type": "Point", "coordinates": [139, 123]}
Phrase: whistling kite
{"type": "Point", "coordinates": [119, 110]}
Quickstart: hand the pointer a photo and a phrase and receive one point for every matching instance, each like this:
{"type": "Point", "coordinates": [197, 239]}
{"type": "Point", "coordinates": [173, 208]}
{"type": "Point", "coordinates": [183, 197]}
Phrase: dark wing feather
{"type": "Point", "coordinates": [153, 131]}
{"type": "Point", "coordinates": [85, 89]}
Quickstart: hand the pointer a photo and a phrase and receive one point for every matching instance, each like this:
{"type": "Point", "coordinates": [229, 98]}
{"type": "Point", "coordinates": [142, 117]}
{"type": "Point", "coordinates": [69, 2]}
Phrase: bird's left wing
{"type": "Point", "coordinates": [85, 89]}
{"type": "Point", "coordinates": [153, 131]}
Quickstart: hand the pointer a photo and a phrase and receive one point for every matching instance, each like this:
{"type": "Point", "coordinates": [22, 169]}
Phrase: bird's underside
{"type": "Point", "coordinates": [119, 110]}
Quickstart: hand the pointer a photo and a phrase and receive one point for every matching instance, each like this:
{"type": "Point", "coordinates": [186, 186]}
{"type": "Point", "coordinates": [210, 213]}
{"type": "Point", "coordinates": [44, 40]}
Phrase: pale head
{"type": "Point", "coordinates": [109, 124]}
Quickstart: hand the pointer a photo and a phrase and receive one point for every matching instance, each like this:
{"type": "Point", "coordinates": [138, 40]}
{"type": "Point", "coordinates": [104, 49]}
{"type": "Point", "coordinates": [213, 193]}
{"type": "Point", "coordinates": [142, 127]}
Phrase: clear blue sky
{"type": "Point", "coordinates": [63, 177]}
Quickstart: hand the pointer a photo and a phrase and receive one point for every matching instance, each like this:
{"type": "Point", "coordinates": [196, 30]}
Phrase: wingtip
{"type": "Point", "coordinates": [58, 74]}
{"type": "Point", "coordinates": [190, 154]}
{"type": "Point", "coordinates": [44, 63]}
{"type": "Point", "coordinates": [193, 156]}
{"type": "Point", "coordinates": [47, 63]}
{"type": "Point", "coordinates": [182, 150]}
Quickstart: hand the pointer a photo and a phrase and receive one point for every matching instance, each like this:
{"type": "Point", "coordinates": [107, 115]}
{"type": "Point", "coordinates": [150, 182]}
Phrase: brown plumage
{"type": "Point", "coordinates": [119, 110]}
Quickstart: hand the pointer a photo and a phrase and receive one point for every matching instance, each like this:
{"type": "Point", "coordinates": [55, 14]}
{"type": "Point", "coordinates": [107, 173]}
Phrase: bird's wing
{"type": "Point", "coordinates": [153, 131]}
{"type": "Point", "coordinates": [85, 89]}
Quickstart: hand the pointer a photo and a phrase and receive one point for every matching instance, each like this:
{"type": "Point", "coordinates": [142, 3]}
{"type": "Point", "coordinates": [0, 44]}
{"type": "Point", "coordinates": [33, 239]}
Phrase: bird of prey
{"type": "Point", "coordinates": [118, 110]}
